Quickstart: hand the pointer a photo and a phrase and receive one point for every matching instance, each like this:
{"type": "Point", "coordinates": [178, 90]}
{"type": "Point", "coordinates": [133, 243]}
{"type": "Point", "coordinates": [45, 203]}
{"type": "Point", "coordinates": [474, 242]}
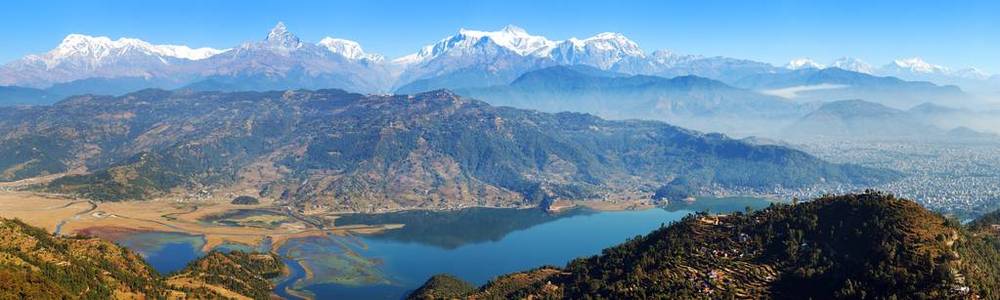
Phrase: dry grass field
{"type": "Point", "coordinates": [81, 216]}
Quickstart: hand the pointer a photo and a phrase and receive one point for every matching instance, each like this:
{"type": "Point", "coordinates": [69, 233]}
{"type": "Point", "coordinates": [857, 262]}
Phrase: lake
{"type": "Point", "coordinates": [475, 244]}
{"type": "Point", "coordinates": [165, 251]}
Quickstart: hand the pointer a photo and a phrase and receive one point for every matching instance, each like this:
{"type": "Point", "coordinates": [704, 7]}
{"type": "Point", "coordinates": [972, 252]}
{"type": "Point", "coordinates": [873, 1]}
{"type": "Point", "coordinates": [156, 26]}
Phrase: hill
{"type": "Point", "coordinates": [859, 118]}
{"type": "Point", "coordinates": [690, 101]}
{"type": "Point", "coordinates": [14, 95]}
{"type": "Point", "coordinates": [862, 246]}
{"type": "Point", "coordinates": [834, 83]}
{"type": "Point", "coordinates": [37, 265]}
{"type": "Point", "coordinates": [350, 152]}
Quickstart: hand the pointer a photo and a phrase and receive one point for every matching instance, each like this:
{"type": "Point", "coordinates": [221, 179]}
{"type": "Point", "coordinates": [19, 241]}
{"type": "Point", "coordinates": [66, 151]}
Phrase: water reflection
{"type": "Point", "coordinates": [453, 229]}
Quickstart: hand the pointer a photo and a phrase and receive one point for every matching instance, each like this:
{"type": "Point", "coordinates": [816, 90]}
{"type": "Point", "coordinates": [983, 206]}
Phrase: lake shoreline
{"type": "Point", "coordinates": [118, 220]}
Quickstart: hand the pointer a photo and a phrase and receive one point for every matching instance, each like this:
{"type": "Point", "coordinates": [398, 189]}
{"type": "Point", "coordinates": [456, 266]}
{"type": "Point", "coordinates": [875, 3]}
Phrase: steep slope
{"type": "Point", "coordinates": [983, 246]}
{"type": "Point", "coordinates": [36, 265]}
{"type": "Point", "coordinates": [473, 58]}
{"type": "Point", "coordinates": [864, 246]}
{"type": "Point", "coordinates": [226, 274]}
{"type": "Point", "coordinates": [342, 151]}
{"type": "Point", "coordinates": [283, 61]}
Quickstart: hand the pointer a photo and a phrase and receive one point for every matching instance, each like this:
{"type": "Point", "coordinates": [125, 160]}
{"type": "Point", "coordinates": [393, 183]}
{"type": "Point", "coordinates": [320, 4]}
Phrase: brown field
{"type": "Point", "coordinates": [617, 205]}
{"type": "Point", "coordinates": [45, 211]}
{"type": "Point", "coordinates": [112, 219]}
{"type": "Point", "coordinates": [109, 219]}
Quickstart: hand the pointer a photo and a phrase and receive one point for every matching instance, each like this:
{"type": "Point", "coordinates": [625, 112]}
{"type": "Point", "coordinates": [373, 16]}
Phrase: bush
{"type": "Point", "coordinates": [245, 200]}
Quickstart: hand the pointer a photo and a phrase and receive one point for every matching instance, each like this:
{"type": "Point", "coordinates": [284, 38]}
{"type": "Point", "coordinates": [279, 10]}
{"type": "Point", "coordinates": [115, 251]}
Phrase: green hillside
{"type": "Point", "coordinates": [862, 246]}
{"type": "Point", "coordinates": [36, 265]}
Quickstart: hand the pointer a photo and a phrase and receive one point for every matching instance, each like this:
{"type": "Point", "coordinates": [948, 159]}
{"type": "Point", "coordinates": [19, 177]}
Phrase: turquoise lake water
{"type": "Point", "coordinates": [473, 244]}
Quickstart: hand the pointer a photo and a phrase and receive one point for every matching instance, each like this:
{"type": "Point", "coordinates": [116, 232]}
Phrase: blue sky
{"type": "Point", "coordinates": [951, 33]}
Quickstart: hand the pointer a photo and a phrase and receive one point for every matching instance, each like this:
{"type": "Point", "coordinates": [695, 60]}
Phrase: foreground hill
{"type": "Point", "coordinates": [37, 265]}
{"type": "Point", "coordinates": [351, 152]}
{"type": "Point", "coordinates": [865, 246]}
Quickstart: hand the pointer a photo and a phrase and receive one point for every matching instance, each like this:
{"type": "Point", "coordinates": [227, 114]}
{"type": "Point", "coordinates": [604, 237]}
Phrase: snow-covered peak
{"type": "Point", "coordinates": [853, 64]}
{"type": "Point", "coordinates": [97, 48]}
{"type": "Point", "coordinates": [512, 38]}
{"type": "Point", "coordinates": [280, 37]}
{"type": "Point", "coordinates": [609, 41]}
{"type": "Point", "coordinates": [514, 29]}
{"type": "Point", "coordinates": [349, 49]}
{"type": "Point", "coordinates": [602, 50]}
{"type": "Point", "coordinates": [803, 63]}
{"type": "Point", "coordinates": [917, 65]}
{"type": "Point", "coordinates": [185, 52]}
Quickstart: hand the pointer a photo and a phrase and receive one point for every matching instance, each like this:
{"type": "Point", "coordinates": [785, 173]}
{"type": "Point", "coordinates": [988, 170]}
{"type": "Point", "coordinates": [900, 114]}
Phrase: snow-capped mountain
{"type": "Point", "coordinates": [510, 38]}
{"type": "Point", "coordinates": [480, 58]}
{"type": "Point", "coordinates": [914, 65]}
{"type": "Point", "coordinates": [349, 49]}
{"type": "Point", "coordinates": [98, 49]}
{"type": "Point", "coordinates": [473, 58]}
{"type": "Point", "coordinates": [803, 63]}
{"type": "Point", "coordinates": [602, 51]}
{"type": "Point", "coordinates": [283, 61]}
{"type": "Point", "coordinates": [280, 39]}
{"type": "Point", "coordinates": [281, 58]}
{"type": "Point", "coordinates": [81, 56]}
{"type": "Point", "coordinates": [469, 58]}
{"type": "Point", "coordinates": [970, 79]}
{"type": "Point", "coordinates": [853, 64]}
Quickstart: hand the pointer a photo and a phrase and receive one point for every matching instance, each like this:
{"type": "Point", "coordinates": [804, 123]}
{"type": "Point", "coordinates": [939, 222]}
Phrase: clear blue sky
{"type": "Point", "coordinates": [952, 33]}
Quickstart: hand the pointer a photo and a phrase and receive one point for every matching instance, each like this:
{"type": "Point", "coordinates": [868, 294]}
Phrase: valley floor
{"type": "Point", "coordinates": [66, 216]}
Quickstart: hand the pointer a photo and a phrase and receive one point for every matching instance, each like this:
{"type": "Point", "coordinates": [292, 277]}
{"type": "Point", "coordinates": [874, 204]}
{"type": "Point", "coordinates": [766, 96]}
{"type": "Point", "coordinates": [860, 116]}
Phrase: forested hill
{"type": "Point", "coordinates": [37, 265]}
{"type": "Point", "coordinates": [864, 246]}
{"type": "Point", "coordinates": [351, 152]}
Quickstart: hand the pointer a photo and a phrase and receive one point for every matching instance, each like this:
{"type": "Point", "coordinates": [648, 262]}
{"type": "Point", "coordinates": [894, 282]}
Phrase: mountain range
{"type": "Point", "coordinates": [689, 101]}
{"type": "Point", "coordinates": [811, 84]}
{"type": "Point", "coordinates": [339, 151]}
{"type": "Point", "coordinates": [469, 59]}
{"type": "Point", "coordinates": [753, 109]}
